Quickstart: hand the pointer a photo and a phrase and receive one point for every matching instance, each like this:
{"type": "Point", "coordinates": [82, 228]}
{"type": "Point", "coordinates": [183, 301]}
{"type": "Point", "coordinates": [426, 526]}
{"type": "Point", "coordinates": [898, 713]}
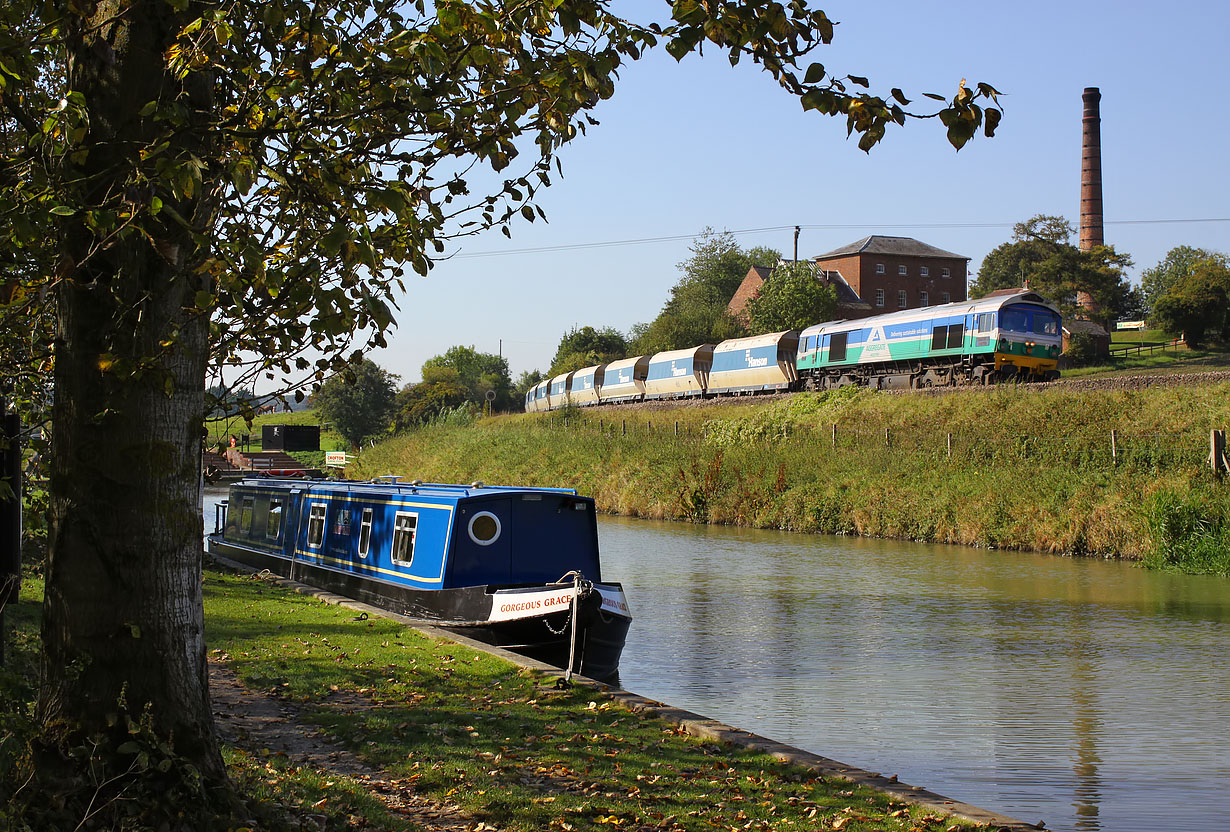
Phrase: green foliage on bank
{"type": "Point", "coordinates": [1019, 468]}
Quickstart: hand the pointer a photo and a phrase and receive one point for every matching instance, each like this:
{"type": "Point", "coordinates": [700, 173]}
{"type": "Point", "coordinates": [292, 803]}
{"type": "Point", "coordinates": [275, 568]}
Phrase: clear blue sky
{"type": "Point", "coordinates": [684, 146]}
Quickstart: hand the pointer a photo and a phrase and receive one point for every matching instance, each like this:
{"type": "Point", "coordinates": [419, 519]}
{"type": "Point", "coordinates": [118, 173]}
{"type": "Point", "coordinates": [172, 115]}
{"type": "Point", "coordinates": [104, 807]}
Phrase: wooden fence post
{"type": "Point", "coordinates": [676, 427]}
{"type": "Point", "coordinates": [888, 441]}
{"type": "Point", "coordinates": [625, 426]}
{"type": "Point", "coordinates": [834, 436]}
{"type": "Point", "coordinates": [1114, 447]}
{"type": "Point", "coordinates": [950, 446]}
{"type": "Point", "coordinates": [1217, 452]}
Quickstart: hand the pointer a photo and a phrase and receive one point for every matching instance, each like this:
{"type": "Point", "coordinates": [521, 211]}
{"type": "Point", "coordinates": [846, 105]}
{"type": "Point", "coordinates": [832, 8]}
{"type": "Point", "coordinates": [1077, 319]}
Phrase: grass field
{"type": "Point", "coordinates": [1007, 468]}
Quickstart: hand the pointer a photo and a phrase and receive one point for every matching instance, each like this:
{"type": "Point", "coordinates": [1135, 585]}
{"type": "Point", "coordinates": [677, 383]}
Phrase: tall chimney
{"type": "Point", "coordinates": [1091, 171]}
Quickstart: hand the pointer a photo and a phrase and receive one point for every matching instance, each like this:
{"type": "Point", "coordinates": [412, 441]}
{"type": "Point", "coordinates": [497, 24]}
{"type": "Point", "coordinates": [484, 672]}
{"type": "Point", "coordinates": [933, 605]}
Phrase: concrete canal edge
{"type": "Point", "coordinates": [695, 724]}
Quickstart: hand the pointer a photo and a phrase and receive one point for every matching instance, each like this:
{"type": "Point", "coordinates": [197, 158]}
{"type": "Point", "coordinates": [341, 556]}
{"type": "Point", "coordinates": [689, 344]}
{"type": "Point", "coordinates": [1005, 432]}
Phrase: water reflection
{"type": "Point", "coordinates": [1089, 694]}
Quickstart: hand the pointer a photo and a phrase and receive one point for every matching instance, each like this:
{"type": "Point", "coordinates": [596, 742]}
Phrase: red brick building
{"type": "Point", "coordinates": [876, 275]}
{"type": "Point", "coordinates": [891, 273]}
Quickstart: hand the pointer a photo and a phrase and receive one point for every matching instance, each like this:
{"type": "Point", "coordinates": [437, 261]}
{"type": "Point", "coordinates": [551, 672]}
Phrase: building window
{"type": "Point", "coordinates": [944, 272]}
{"type": "Point", "coordinates": [879, 297]}
{"type": "Point", "coordinates": [879, 268]}
{"type": "Point", "coordinates": [404, 528]}
{"type": "Point", "coordinates": [947, 298]}
{"type": "Point", "coordinates": [924, 271]}
{"type": "Point", "coordinates": [902, 270]}
{"type": "Point", "coordinates": [923, 299]}
{"type": "Point", "coordinates": [901, 301]}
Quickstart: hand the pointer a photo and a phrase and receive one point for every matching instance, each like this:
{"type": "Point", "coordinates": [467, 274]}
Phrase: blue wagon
{"type": "Point", "coordinates": [515, 567]}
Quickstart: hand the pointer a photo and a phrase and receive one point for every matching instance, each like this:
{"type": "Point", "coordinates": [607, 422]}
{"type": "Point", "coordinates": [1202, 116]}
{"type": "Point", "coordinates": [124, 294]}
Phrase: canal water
{"type": "Point", "coordinates": [1090, 695]}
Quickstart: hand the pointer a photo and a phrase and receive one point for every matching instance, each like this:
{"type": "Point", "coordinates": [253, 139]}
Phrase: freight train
{"type": "Point", "coordinates": [1009, 337]}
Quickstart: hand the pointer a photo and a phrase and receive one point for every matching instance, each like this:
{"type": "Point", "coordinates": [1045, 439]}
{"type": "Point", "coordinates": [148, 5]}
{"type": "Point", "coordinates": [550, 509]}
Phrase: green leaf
{"type": "Point", "coordinates": [900, 96]}
{"type": "Point", "coordinates": [857, 79]}
{"type": "Point", "coordinates": [129, 747]}
{"type": "Point", "coordinates": [992, 116]}
{"type": "Point", "coordinates": [815, 73]}
{"type": "Point", "coordinates": [63, 211]}
{"type": "Point", "coordinates": [148, 109]}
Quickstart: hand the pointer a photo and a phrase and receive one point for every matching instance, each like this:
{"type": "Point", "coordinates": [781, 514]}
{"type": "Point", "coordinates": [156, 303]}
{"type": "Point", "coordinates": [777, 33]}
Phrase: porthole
{"type": "Point", "coordinates": [484, 528]}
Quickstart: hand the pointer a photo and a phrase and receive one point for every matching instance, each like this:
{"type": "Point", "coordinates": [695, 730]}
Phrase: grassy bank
{"type": "Point", "coordinates": [1116, 473]}
{"type": "Point", "coordinates": [456, 726]}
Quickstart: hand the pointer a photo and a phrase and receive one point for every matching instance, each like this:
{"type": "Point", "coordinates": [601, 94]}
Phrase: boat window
{"type": "Point", "coordinates": [484, 528]}
{"type": "Point", "coordinates": [365, 533]}
{"type": "Point", "coordinates": [1014, 320]}
{"type": "Point", "coordinates": [956, 335]}
{"type": "Point", "coordinates": [837, 347]}
{"type": "Point", "coordinates": [273, 526]}
{"type": "Point", "coordinates": [316, 525]}
{"type": "Point", "coordinates": [1046, 323]}
{"type": "Point", "coordinates": [245, 516]}
{"type": "Point", "coordinates": [403, 537]}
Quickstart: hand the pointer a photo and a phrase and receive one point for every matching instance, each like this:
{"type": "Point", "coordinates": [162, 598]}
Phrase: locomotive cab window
{"type": "Point", "coordinates": [837, 347]}
{"type": "Point", "coordinates": [316, 525]}
{"type": "Point", "coordinates": [939, 337]}
{"type": "Point", "coordinates": [404, 529]}
{"type": "Point", "coordinates": [1045, 323]}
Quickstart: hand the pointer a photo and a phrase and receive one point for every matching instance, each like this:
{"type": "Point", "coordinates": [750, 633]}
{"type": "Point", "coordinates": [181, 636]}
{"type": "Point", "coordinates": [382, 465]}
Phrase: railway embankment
{"type": "Point", "coordinates": [1110, 468]}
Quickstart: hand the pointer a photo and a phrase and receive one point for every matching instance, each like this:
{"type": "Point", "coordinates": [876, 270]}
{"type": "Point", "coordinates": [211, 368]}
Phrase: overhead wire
{"type": "Point", "coordinates": [670, 238]}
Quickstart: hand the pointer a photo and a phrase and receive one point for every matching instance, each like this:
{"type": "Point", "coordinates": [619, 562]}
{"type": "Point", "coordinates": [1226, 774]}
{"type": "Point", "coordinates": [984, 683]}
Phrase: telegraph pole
{"type": "Point", "coordinates": [796, 244]}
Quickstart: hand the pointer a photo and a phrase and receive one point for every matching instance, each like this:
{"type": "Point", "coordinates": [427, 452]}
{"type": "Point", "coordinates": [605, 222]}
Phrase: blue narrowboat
{"type": "Point", "coordinates": [515, 567]}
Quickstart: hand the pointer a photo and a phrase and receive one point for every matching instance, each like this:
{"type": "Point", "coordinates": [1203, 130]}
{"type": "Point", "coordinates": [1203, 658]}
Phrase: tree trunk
{"type": "Point", "coordinates": [123, 642]}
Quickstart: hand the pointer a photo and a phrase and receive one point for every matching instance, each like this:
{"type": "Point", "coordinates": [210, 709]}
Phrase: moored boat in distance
{"type": "Point", "coordinates": [514, 567]}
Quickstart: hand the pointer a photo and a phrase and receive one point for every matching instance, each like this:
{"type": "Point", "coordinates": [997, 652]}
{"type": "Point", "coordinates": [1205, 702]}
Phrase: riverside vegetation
{"type": "Point", "coordinates": [440, 721]}
{"type": "Point", "coordinates": [1014, 468]}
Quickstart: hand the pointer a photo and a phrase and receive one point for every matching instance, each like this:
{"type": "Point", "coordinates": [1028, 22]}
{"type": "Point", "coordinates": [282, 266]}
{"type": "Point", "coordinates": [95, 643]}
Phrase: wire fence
{"type": "Point", "coordinates": [1101, 449]}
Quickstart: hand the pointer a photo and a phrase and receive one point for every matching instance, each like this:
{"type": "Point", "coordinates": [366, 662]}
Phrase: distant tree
{"type": "Point", "coordinates": [792, 298]}
{"type": "Point", "coordinates": [524, 382]}
{"type": "Point", "coordinates": [695, 312]}
{"type": "Point", "coordinates": [1178, 263]}
{"type": "Point", "coordinates": [587, 346]}
{"type": "Point", "coordinates": [1042, 256]}
{"type": "Point", "coordinates": [221, 400]}
{"type": "Point", "coordinates": [441, 389]}
{"type": "Point", "coordinates": [478, 372]}
{"type": "Point", "coordinates": [1197, 305]}
{"type": "Point", "coordinates": [358, 402]}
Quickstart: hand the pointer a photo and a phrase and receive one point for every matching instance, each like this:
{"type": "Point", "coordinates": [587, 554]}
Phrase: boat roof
{"type": "Point", "coordinates": [393, 485]}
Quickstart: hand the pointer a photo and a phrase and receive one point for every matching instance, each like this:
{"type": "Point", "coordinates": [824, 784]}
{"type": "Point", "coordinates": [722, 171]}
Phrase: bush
{"type": "Point", "coordinates": [1187, 535]}
{"type": "Point", "coordinates": [1081, 350]}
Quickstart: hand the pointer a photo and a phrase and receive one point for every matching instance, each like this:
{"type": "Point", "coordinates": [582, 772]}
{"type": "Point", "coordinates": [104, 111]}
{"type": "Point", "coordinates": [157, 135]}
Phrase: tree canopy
{"type": "Point", "coordinates": [586, 346]}
{"type": "Point", "coordinates": [1178, 264]}
{"type": "Point", "coordinates": [1042, 257]}
{"type": "Point", "coordinates": [695, 312]}
{"type": "Point", "coordinates": [358, 402]}
{"type": "Point", "coordinates": [189, 188]}
{"type": "Point", "coordinates": [792, 298]}
{"type": "Point", "coordinates": [1197, 304]}
{"type": "Point", "coordinates": [478, 372]}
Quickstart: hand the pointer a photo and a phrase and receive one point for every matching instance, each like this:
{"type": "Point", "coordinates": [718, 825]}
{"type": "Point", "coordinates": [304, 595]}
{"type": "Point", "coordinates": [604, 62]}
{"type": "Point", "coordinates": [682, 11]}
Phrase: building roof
{"type": "Point", "coordinates": [878, 244]}
{"type": "Point", "coordinates": [747, 290]}
{"type": "Point", "coordinates": [1071, 325]}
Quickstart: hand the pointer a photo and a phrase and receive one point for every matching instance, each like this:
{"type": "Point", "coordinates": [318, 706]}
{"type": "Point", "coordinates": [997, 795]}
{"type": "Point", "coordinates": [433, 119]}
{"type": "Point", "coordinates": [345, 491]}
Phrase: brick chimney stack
{"type": "Point", "coordinates": [1091, 171]}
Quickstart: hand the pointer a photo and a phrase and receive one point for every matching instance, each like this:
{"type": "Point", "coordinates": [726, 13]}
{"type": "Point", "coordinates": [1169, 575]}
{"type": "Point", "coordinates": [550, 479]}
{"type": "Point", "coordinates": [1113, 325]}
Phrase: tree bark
{"type": "Point", "coordinates": [123, 631]}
